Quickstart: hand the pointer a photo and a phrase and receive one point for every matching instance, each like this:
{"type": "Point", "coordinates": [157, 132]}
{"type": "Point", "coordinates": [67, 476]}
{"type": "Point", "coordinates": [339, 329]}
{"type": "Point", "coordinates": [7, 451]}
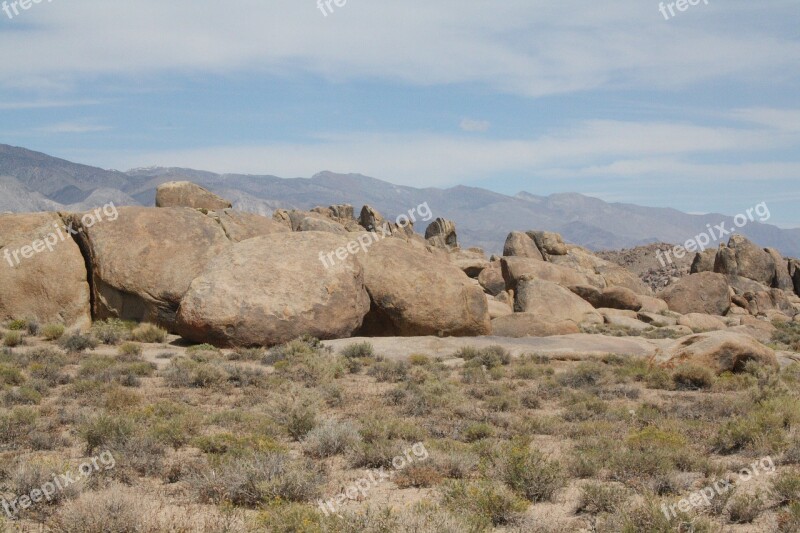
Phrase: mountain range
{"type": "Point", "coordinates": [32, 181]}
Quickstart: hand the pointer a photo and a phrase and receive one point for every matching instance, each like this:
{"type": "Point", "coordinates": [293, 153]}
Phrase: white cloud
{"type": "Point", "coordinates": [72, 127]}
{"type": "Point", "coordinates": [628, 150]}
{"type": "Point", "coordinates": [471, 125]}
{"type": "Point", "coordinates": [528, 47]}
{"type": "Point", "coordinates": [44, 104]}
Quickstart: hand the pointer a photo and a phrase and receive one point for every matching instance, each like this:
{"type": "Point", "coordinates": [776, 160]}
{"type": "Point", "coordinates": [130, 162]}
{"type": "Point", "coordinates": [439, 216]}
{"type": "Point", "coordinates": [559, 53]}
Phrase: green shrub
{"type": "Point", "coordinates": [786, 488]}
{"type": "Point", "coordinates": [586, 374]}
{"type": "Point", "coordinates": [149, 334]}
{"type": "Point", "coordinates": [10, 375]}
{"type": "Point", "coordinates": [531, 474]}
{"type": "Point", "coordinates": [187, 373]}
{"type": "Point", "coordinates": [789, 520]}
{"type": "Point", "coordinates": [477, 431]}
{"type": "Point", "coordinates": [53, 332]}
{"type": "Point", "coordinates": [18, 325]}
{"type": "Point", "coordinates": [104, 430]}
{"type": "Point", "coordinates": [130, 349]}
{"type": "Point", "coordinates": [693, 377]}
{"type": "Point", "coordinates": [257, 479]}
{"type": "Point", "coordinates": [489, 357]}
{"type": "Point", "coordinates": [358, 350]}
{"type": "Point", "coordinates": [24, 395]}
{"type": "Point", "coordinates": [12, 338]}
{"type": "Point", "coordinates": [77, 343]}
{"type": "Point", "coordinates": [112, 331]}
{"type": "Point", "coordinates": [744, 508]}
{"type": "Point", "coordinates": [596, 498]}
{"type": "Point", "coordinates": [492, 503]}
{"type": "Point", "coordinates": [331, 438]}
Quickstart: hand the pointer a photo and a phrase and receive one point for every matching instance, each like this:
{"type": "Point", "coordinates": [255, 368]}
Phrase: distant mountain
{"type": "Point", "coordinates": [31, 181]}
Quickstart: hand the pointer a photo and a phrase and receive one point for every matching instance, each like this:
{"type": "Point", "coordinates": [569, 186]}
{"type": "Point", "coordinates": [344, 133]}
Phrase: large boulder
{"type": "Point", "coordinates": [519, 325]}
{"type": "Point", "coordinates": [441, 233]}
{"type": "Point", "coordinates": [743, 258]}
{"type": "Point", "coordinates": [188, 194]}
{"type": "Point", "coordinates": [794, 272]}
{"type": "Point", "coordinates": [547, 299]}
{"type": "Point", "coordinates": [472, 261]}
{"type": "Point", "coordinates": [549, 243]}
{"type": "Point", "coordinates": [720, 351]}
{"type": "Point", "coordinates": [701, 322]}
{"type": "Point", "coordinates": [491, 279]}
{"type": "Point", "coordinates": [143, 262]}
{"type": "Point", "coordinates": [519, 244]}
{"type": "Point", "coordinates": [240, 226]}
{"type": "Point", "coordinates": [514, 268]}
{"type": "Point", "coordinates": [43, 275]}
{"type": "Point", "coordinates": [782, 279]}
{"type": "Point", "coordinates": [705, 292]}
{"type": "Point", "coordinates": [269, 290]}
{"type": "Point", "coordinates": [414, 293]}
{"type": "Point", "coordinates": [620, 298]}
{"type": "Point", "coordinates": [704, 261]}
{"type": "Point", "coordinates": [598, 271]}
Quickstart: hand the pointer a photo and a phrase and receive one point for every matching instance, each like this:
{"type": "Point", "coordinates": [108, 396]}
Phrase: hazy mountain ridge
{"type": "Point", "coordinates": [484, 218]}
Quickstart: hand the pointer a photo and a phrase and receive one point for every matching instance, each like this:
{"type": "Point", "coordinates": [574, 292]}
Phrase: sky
{"type": "Point", "coordinates": [620, 100]}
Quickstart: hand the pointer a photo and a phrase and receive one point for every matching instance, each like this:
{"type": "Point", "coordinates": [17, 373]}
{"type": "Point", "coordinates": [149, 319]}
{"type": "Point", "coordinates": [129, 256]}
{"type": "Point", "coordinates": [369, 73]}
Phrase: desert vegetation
{"type": "Point", "coordinates": [257, 439]}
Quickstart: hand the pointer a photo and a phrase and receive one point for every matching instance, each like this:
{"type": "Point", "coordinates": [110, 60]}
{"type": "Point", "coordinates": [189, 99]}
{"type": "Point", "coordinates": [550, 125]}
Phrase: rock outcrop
{"type": "Point", "coordinates": [549, 300]}
{"type": "Point", "coordinates": [721, 351]}
{"type": "Point", "coordinates": [441, 233]}
{"type": "Point", "coordinates": [743, 258]}
{"type": "Point", "coordinates": [519, 244]}
{"type": "Point", "coordinates": [414, 293]}
{"type": "Point", "coordinates": [705, 292]}
{"type": "Point", "coordinates": [254, 293]}
{"type": "Point", "coordinates": [519, 325]}
{"type": "Point", "coordinates": [43, 275]}
{"type": "Point", "coordinates": [188, 194]}
{"type": "Point", "coordinates": [143, 263]}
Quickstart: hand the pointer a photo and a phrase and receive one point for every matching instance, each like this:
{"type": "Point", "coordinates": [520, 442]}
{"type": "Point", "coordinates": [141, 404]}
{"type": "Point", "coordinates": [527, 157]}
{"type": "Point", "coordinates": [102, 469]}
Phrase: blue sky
{"type": "Point", "coordinates": [700, 112]}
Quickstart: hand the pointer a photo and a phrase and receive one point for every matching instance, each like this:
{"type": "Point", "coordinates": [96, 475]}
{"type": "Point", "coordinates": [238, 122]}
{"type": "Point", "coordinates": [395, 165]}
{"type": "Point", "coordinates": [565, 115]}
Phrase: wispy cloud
{"type": "Point", "coordinates": [72, 127]}
{"type": "Point", "coordinates": [45, 104]}
{"type": "Point", "coordinates": [471, 125]}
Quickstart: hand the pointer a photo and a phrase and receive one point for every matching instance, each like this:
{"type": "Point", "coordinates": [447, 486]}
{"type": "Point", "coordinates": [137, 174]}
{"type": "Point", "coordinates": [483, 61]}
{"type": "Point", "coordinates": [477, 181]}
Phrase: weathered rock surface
{"type": "Point", "coordinates": [519, 325]}
{"type": "Point", "coordinates": [519, 244]}
{"type": "Point", "coordinates": [413, 293]}
{"type": "Point", "coordinates": [50, 284]}
{"type": "Point", "coordinates": [441, 233]}
{"type": "Point", "coordinates": [620, 298]}
{"type": "Point", "coordinates": [491, 279]}
{"type": "Point", "coordinates": [143, 262]}
{"type": "Point", "coordinates": [705, 292]}
{"type": "Point", "coordinates": [514, 268]}
{"type": "Point", "coordinates": [721, 351]}
{"type": "Point", "coordinates": [702, 322]}
{"type": "Point", "coordinates": [240, 226]}
{"type": "Point", "coordinates": [548, 243]}
{"type": "Point", "coordinates": [743, 258]}
{"type": "Point", "coordinates": [188, 194]}
{"type": "Point", "coordinates": [704, 261]}
{"type": "Point", "coordinates": [254, 294]}
{"type": "Point", "coordinates": [471, 261]}
{"type": "Point", "coordinates": [782, 279]}
{"type": "Point", "coordinates": [547, 299]}
{"type": "Point", "coordinates": [498, 308]}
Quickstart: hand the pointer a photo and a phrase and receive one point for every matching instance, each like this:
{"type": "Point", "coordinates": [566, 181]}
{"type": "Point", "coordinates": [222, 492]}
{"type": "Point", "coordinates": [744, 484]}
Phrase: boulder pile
{"type": "Point", "coordinates": [212, 274]}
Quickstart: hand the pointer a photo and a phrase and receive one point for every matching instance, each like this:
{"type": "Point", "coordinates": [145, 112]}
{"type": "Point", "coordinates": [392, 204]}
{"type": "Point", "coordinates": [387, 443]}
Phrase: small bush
{"type": "Point", "coordinates": [586, 374]}
{"type": "Point", "coordinates": [10, 375]}
{"type": "Point", "coordinates": [25, 395]}
{"type": "Point", "coordinates": [596, 498]}
{"type": "Point", "coordinates": [257, 479]}
{"type": "Point", "coordinates": [489, 501]}
{"type": "Point", "coordinates": [389, 371]}
{"type": "Point", "coordinates": [12, 338]}
{"type": "Point", "coordinates": [104, 430]}
{"type": "Point", "coordinates": [693, 377]}
{"type": "Point", "coordinates": [296, 412]}
{"type": "Point", "coordinates": [532, 475]}
{"type": "Point", "coordinates": [477, 431]}
{"type": "Point", "coordinates": [53, 332]}
{"type": "Point", "coordinates": [489, 357]}
{"type": "Point", "coordinates": [130, 350]}
{"type": "Point", "coordinates": [331, 438]}
{"type": "Point", "coordinates": [418, 359]}
{"type": "Point", "coordinates": [358, 350]}
{"type": "Point", "coordinates": [112, 331]}
{"type": "Point", "coordinates": [186, 373]}
{"type": "Point", "coordinates": [789, 520]}
{"type": "Point", "coordinates": [786, 488]}
{"type": "Point", "coordinates": [744, 508]}
{"type": "Point", "coordinates": [18, 325]}
{"type": "Point", "coordinates": [418, 476]}
{"type": "Point", "coordinates": [149, 334]}
{"type": "Point", "coordinates": [77, 343]}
